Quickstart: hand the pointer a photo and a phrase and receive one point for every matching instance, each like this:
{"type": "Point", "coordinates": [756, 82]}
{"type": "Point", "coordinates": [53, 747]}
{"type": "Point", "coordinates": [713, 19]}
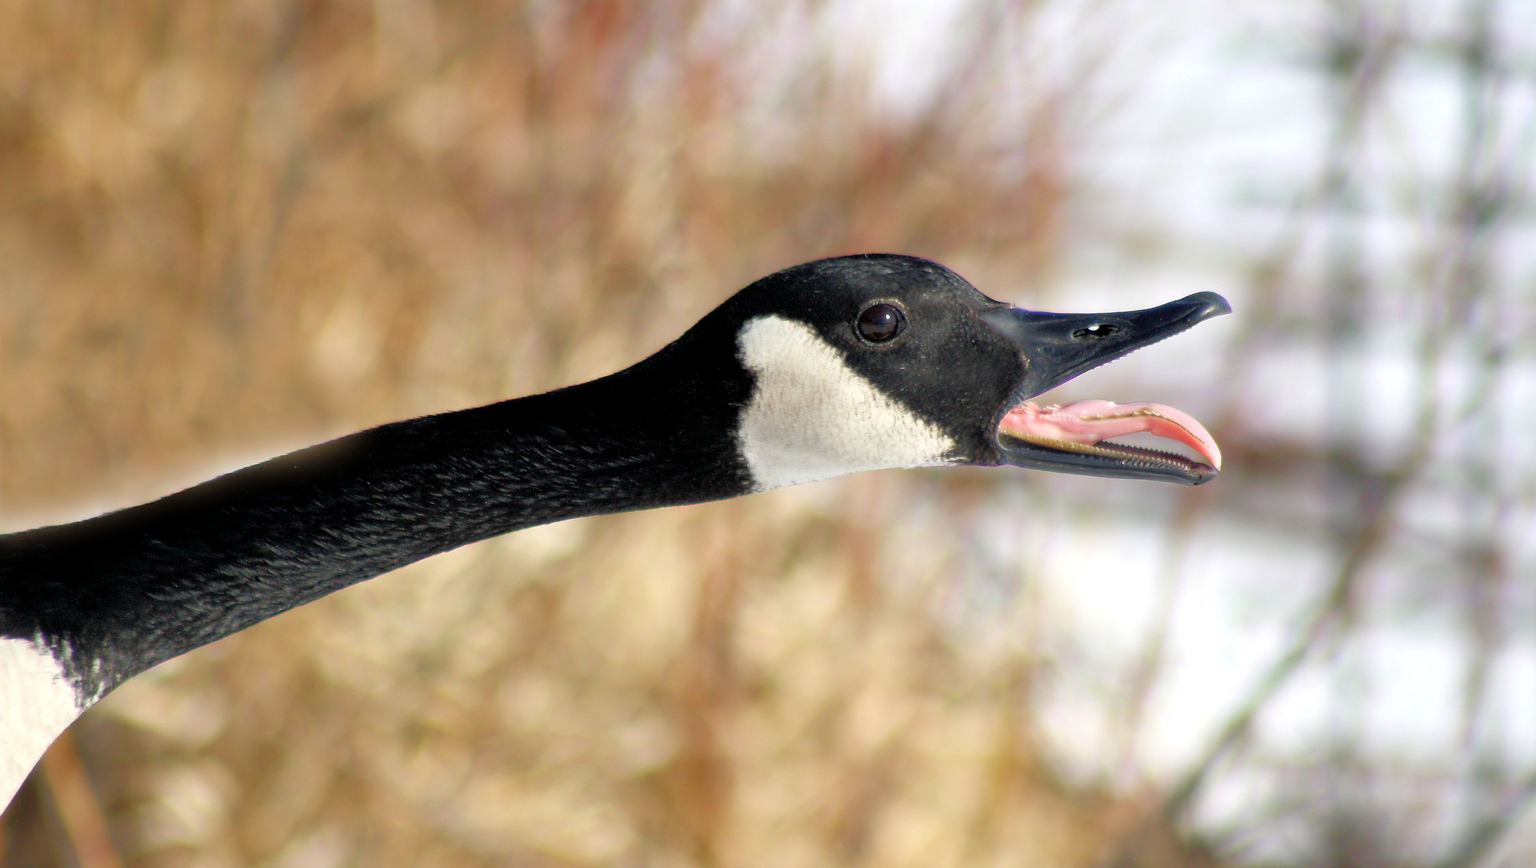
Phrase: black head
{"type": "Point", "coordinates": [881, 360]}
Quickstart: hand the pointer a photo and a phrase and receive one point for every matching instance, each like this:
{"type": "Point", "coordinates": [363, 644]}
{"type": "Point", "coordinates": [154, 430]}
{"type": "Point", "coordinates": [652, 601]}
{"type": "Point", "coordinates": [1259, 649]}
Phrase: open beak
{"type": "Point", "coordinates": [1072, 439]}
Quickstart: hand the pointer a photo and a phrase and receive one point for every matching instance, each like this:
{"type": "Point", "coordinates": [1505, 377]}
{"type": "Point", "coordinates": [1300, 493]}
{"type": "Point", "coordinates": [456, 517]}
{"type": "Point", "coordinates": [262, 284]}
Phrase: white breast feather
{"type": "Point", "coordinates": [36, 704]}
{"type": "Point", "coordinates": [812, 417]}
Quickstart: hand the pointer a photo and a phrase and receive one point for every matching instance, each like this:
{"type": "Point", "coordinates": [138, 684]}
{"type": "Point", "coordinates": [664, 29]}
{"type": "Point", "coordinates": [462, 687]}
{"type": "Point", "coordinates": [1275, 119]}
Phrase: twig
{"type": "Point", "coordinates": [1479, 841]}
{"type": "Point", "coordinates": [1379, 520]}
{"type": "Point", "coordinates": [79, 811]}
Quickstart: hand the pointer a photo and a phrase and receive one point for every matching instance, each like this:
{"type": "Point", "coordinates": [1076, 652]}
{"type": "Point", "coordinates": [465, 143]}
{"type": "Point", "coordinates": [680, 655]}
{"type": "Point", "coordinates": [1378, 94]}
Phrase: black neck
{"type": "Point", "coordinates": [136, 587]}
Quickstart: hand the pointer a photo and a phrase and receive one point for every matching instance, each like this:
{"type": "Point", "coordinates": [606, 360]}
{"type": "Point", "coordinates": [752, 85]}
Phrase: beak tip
{"type": "Point", "coordinates": [1207, 305]}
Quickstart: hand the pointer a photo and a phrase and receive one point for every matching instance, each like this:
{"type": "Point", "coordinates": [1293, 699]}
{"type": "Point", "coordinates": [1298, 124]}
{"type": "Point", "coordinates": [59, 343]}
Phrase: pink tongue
{"type": "Point", "coordinates": [1088, 422]}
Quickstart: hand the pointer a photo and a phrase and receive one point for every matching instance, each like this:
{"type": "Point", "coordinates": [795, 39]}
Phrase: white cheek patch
{"type": "Point", "coordinates": [812, 417]}
{"type": "Point", "coordinates": [36, 704]}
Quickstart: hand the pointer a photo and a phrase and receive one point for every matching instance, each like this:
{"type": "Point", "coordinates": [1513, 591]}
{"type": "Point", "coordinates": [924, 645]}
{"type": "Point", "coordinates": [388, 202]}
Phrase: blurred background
{"type": "Point", "coordinates": [228, 230]}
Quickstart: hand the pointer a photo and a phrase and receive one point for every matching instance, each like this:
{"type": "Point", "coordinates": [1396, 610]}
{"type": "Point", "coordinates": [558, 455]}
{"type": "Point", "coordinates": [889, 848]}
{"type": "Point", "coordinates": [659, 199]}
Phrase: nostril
{"type": "Point", "coordinates": [1095, 332]}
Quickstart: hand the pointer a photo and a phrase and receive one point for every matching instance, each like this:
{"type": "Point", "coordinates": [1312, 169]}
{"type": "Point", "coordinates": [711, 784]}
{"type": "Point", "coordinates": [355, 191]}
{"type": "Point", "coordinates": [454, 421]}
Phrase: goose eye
{"type": "Point", "coordinates": [881, 322]}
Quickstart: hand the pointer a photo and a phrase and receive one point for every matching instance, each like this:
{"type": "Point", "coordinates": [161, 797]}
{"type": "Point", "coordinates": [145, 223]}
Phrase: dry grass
{"type": "Point", "coordinates": [229, 229]}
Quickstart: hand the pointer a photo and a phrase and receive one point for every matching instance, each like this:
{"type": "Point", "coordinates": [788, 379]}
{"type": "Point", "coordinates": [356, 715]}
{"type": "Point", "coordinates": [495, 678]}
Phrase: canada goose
{"type": "Point", "coordinates": [835, 366]}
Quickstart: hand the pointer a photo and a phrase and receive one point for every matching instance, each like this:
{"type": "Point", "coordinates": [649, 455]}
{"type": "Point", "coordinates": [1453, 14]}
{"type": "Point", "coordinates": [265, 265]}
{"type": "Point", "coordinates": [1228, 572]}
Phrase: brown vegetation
{"type": "Point", "coordinates": [229, 229]}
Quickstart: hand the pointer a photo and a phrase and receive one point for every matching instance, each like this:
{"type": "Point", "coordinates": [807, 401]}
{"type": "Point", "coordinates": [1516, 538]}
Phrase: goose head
{"type": "Point", "coordinates": [880, 361]}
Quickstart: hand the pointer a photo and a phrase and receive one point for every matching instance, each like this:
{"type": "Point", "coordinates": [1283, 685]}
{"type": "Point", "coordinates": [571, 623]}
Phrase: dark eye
{"type": "Point", "coordinates": [1095, 332]}
{"type": "Point", "coordinates": [881, 322]}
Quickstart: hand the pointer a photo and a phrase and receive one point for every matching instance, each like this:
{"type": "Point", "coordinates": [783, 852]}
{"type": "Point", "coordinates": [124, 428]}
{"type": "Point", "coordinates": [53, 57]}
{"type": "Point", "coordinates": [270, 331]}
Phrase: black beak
{"type": "Point", "coordinates": [1059, 346]}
